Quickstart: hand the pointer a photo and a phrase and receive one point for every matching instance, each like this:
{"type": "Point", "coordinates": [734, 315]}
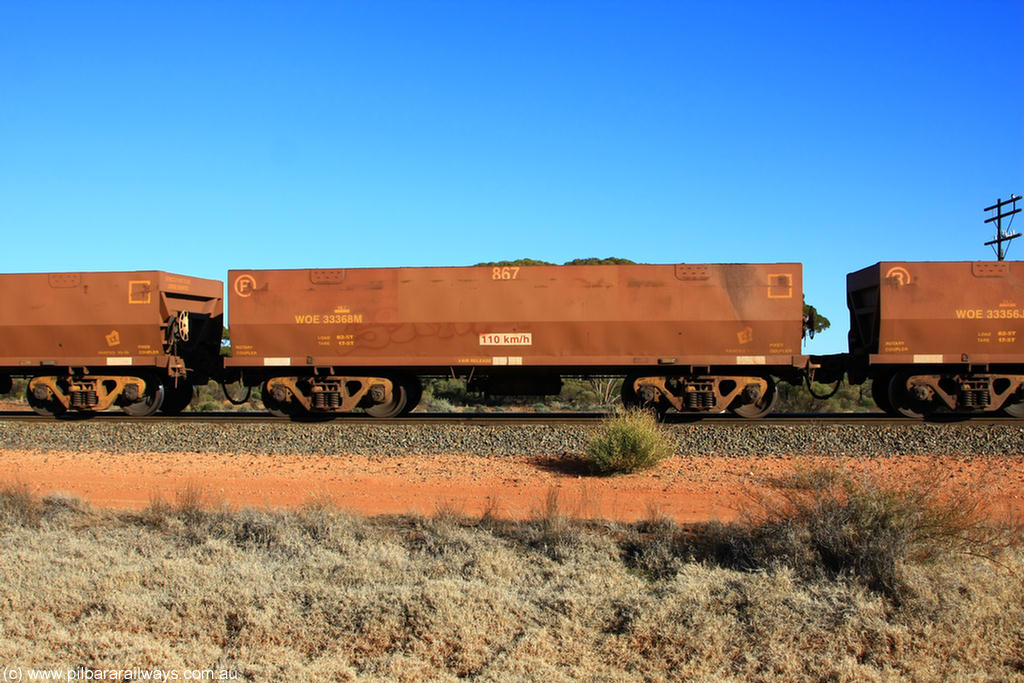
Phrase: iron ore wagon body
{"type": "Point", "coordinates": [89, 341]}
{"type": "Point", "coordinates": [697, 338]}
{"type": "Point", "coordinates": [939, 336]}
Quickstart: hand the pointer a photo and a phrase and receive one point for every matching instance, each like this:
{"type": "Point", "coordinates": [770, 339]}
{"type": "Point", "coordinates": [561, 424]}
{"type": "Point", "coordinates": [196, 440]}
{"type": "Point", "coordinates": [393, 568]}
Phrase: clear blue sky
{"type": "Point", "coordinates": [198, 136]}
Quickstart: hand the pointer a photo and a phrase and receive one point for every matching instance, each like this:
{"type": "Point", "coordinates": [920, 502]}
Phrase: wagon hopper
{"type": "Point", "coordinates": [939, 336]}
{"type": "Point", "coordinates": [91, 341]}
{"type": "Point", "coordinates": [697, 338]}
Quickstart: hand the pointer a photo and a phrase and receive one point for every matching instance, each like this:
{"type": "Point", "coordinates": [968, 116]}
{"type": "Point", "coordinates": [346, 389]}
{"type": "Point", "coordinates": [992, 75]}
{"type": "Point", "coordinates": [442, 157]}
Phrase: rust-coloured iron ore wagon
{"type": "Point", "coordinates": [90, 341]}
{"type": "Point", "coordinates": [697, 338]}
{"type": "Point", "coordinates": [939, 336]}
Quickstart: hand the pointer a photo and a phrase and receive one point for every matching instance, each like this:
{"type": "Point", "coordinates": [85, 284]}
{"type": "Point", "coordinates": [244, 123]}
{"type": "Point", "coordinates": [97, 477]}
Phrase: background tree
{"type": "Point", "coordinates": [814, 322]}
{"type": "Point", "coordinates": [518, 262]}
{"type": "Point", "coordinates": [592, 261]}
{"type": "Point", "coordinates": [610, 261]}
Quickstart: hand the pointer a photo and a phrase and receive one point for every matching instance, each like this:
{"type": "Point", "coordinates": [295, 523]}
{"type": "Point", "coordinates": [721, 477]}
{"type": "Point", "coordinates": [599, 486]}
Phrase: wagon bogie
{"type": "Point", "coordinates": [919, 395]}
{"type": "Point", "coordinates": [57, 394]}
{"type": "Point", "coordinates": [327, 394]}
{"type": "Point", "coordinates": [378, 396]}
{"type": "Point", "coordinates": [750, 396]}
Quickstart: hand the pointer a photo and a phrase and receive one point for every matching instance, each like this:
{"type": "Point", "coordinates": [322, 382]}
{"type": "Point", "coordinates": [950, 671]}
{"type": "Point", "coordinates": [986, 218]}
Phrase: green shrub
{"type": "Point", "coordinates": [587, 394]}
{"type": "Point", "coordinates": [630, 441]}
{"type": "Point", "coordinates": [851, 398]}
{"type": "Point", "coordinates": [19, 385]}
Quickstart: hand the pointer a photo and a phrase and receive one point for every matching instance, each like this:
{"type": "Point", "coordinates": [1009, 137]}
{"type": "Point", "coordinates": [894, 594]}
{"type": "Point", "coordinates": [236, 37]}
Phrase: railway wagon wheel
{"type": "Point", "coordinates": [630, 400]}
{"type": "Point", "coordinates": [45, 405]}
{"type": "Point", "coordinates": [413, 393]}
{"type": "Point", "coordinates": [880, 394]}
{"type": "Point", "coordinates": [149, 401]}
{"type": "Point", "coordinates": [394, 407]}
{"type": "Point", "coordinates": [901, 400]}
{"type": "Point", "coordinates": [275, 407]}
{"type": "Point", "coordinates": [1014, 409]}
{"type": "Point", "coordinates": [633, 401]}
{"type": "Point", "coordinates": [176, 398]}
{"type": "Point", "coordinates": [760, 407]}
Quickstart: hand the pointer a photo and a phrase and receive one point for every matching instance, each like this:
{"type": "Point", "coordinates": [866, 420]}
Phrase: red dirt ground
{"type": "Point", "coordinates": [686, 489]}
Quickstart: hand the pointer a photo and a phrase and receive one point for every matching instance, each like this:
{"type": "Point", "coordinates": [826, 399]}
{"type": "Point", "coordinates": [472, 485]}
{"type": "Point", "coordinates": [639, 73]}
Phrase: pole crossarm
{"type": "Point", "coordinates": [1002, 236]}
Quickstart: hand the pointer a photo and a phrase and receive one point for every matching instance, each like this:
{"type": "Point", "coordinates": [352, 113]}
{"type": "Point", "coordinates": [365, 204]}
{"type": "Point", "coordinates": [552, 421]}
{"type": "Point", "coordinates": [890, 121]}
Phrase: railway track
{"type": "Point", "coordinates": [503, 435]}
{"type": "Point", "coordinates": [503, 419]}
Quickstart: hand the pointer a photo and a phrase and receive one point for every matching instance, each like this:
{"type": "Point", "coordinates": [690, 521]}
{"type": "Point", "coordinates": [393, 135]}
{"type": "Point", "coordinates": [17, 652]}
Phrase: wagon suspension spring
{"type": "Point", "coordinates": [327, 400]}
{"type": "Point", "coordinates": [700, 400]}
{"type": "Point", "coordinates": [975, 395]}
{"type": "Point", "coordinates": [84, 399]}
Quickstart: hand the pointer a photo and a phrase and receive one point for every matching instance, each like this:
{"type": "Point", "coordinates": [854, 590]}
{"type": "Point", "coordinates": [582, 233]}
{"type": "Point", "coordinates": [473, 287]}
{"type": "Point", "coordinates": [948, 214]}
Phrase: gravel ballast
{"type": "Point", "coordinates": [745, 440]}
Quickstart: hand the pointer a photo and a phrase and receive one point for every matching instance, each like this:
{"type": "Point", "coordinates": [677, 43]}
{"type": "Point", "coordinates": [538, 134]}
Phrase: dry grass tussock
{"type": "Point", "coordinates": [873, 526]}
{"type": "Point", "coordinates": [626, 442]}
{"type": "Point", "coordinates": [317, 594]}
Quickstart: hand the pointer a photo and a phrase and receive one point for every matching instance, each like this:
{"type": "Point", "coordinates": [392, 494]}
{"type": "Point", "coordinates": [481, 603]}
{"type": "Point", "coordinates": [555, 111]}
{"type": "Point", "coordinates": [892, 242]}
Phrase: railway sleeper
{"type": "Point", "coordinates": [747, 396]}
{"type": "Point", "coordinates": [53, 395]}
{"type": "Point", "coordinates": [331, 394]}
{"type": "Point", "coordinates": [919, 395]}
